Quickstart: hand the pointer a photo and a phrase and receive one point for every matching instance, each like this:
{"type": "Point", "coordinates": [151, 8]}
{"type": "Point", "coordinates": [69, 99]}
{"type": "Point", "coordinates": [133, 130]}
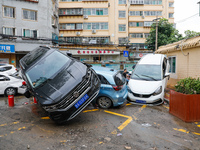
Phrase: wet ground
{"type": "Point", "coordinates": [136, 127]}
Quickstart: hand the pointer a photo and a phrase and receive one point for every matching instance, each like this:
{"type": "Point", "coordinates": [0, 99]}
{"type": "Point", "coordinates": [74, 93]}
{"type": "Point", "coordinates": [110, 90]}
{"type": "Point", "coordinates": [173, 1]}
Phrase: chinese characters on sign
{"type": "Point", "coordinates": [7, 48]}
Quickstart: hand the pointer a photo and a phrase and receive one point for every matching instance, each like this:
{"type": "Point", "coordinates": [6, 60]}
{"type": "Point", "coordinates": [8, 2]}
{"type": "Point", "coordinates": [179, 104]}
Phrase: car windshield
{"type": "Point", "coordinates": [46, 68]}
{"type": "Point", "coordinates": [147, 72]}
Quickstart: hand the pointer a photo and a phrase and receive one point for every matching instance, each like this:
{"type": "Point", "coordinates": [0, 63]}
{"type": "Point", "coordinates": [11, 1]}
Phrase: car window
{"type": "Point", "coordinates": [47, 68]}
{"type": "Point", "coordinates": [119, 79]}
{"type": "Point", "coordinates": [103, 79]}
{"type": "Point", "coordinates": [2, 69]}
{"type": "Point", "coordinates": [8, 68]}
{"type": "Point", "coordinates": [34, 55]}
{"type": "Point", "coordinates": [4, 78]}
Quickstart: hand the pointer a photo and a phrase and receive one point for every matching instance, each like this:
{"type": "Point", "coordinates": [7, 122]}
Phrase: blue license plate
{"type": "Point", "coordinates": [140, 101]}
{"type": "Point", "coordinates": [81, 101]}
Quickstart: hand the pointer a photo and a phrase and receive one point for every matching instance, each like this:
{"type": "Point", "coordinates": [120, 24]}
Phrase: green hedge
{"type": "Point", "coordinates": [188, 86]}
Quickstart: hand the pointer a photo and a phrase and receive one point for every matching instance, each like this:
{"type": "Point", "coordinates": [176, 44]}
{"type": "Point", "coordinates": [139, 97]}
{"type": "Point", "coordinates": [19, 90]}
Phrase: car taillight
{"type": "Point", "coordinates": [24, 83]}
{"type": "Point", "coordinates": [117, 88]}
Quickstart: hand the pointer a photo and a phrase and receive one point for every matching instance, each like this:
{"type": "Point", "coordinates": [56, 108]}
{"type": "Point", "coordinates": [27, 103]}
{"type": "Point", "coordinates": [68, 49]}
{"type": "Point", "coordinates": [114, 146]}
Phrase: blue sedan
{"type": "Point", "coordinates": [113, 90]}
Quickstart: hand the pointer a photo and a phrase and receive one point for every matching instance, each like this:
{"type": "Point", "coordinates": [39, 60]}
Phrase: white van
{"type": "Point", "coordinates": [148, 80]}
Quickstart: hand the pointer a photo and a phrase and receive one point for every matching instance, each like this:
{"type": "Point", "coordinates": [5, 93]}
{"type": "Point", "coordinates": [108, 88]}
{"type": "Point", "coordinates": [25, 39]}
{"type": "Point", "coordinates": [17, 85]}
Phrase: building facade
{"type": "Point", "coordinates": [120, 25]}
{"type": "Point", "coordinates": [25, 25]}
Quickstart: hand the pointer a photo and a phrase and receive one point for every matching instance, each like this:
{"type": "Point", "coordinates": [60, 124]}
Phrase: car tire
{"type": "Point", "coordinates": [104, 102]}
{"type": "Point", "coordinates": [10, 91]}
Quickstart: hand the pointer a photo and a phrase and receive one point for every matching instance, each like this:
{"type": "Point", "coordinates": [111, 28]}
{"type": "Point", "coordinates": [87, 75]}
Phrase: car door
{"type": "Point", "coordinates": [165, 68]}
{"type": "Point", "coordinates": [3, 84]}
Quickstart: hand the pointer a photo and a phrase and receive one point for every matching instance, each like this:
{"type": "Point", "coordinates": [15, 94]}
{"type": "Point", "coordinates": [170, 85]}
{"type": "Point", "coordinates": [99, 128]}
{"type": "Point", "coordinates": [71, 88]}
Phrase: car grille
{"type": "Point", "coordinates": [79, 88]}
{"type": "Point", "coordinates": [141, 95]}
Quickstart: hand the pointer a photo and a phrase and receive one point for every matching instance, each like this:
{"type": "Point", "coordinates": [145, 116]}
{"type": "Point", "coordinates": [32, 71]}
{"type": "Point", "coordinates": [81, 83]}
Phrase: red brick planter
{"type": "Point", "coordinates": [184, 106]}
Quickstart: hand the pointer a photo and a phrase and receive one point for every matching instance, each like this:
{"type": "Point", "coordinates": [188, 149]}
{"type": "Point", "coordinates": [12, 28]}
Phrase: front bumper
{"type": "Point", "coordinates": [150, 100]}
{"type": "Point", "coordinates": [67, 109]}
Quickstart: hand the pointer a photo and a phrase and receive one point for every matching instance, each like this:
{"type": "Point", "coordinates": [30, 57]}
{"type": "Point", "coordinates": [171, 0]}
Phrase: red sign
{"type": "Point", "coordinates": [140, 54]}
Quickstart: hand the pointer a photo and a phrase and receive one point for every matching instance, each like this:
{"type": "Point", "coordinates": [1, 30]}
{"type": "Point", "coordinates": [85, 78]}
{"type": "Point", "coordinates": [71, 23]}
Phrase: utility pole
{"type": "Point", "coordinates": [156, 43]}
{"type": "Point", "coordinates": [199, 7]}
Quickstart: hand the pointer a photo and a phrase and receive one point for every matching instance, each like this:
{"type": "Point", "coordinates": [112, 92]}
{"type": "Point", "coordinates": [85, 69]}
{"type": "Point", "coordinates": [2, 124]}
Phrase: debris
{"type": "Point", "coordinates": [146, 125]}
{"type": "Point", "coordinates": [119, 134]}
{"type": "Point", "coordinates": [28, 146]}
{"type": "Point", "coordinates": [26, 103]}
{"type": "Point", "coordinates": [107, 139]}
{"type": "Point", "coordinates": [127, 147]}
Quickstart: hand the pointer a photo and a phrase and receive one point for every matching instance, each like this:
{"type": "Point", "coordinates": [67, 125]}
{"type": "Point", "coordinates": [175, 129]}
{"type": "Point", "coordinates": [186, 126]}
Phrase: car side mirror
{"type": "Point", "coordinates": [167, 75]}
{"type": "Point", "coordinates": [134, 66]}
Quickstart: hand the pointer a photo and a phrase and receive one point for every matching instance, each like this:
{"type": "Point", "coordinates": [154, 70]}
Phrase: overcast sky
{"type": "Point", "coordinates": [187, 15]}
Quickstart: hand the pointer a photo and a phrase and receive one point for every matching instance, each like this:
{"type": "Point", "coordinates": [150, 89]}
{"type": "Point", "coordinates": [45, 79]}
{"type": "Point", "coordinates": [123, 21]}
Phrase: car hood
{"type": "Point", "coordinates": [57, 88]}
{"type": "Point", "coordinates": [143, 87]}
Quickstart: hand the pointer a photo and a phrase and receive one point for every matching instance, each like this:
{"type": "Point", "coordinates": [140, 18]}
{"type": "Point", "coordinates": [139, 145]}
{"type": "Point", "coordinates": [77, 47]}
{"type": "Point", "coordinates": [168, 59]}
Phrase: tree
{"type": "Point", "coordinates": [166, 34]}
{"type": "Point", "coordinates": [189, 34]}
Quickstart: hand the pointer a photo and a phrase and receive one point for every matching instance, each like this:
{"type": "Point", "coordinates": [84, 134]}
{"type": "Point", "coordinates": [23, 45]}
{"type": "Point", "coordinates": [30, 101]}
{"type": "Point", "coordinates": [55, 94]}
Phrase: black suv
{"type": "Point", "coordinates": [62, 85]}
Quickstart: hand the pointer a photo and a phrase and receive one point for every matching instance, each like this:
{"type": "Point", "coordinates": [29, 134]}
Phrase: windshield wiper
{"type": "Point", "coordinates": [139, 76]}
{"type": "Point", "coordinates": [150, 77]}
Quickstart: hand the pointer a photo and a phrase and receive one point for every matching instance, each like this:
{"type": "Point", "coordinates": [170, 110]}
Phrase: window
{"type": "Point", "coordinates": [103, 80]}
{"type": "Point", "coordinates": [9, 31]}
{"type": "Point", "coordinates": [71, 11]}
{"type": "Point", "coordinates": [153, 13]}
{"type": "Point", "coordinates": [138, 45]}
{"type": "Point", "coordinates": [136, 1]}
{"type": "Point", "coordinates": [122, 40]}
{"type": "Point", "coordinates": [135, 13]}
{"type": "Point", "coordinates": [97, 25]}
{"type": "Point", "coordinates": [95, 11]}
{"type": "Point", "coordinates": [171, 15]}
{"type": "Point", "coordinates": [148, 23]}
{"type": "Point", "coordinates": [171, 4]}
{"type": "Point", "coordinates": [146, 35]}
{"type": "Point", "coordinates": [136, 35]}
{"type": "Point", "coordinates": [122, 1]}
{"type": "Point", "coordinates": [122, 14]}
{"type": "Point", "coordinates": [30, 15]}
{"type": "Point", "coordinates": [172, 63]}
{"type": "Point", "coordinates": [71, 26]}
{"type": "Point", "coordinates": [153, 2]}
{"type": "Point", "coordinates": [9, 12]}
{"type": "Point", "coordinates": [30, 33]}
{"type": "Point", "coordinates": [122, 27]}
{"type": "Point", "coordinates": [70, 0]}
{"type": "Point", "coordinates": [136, 24]}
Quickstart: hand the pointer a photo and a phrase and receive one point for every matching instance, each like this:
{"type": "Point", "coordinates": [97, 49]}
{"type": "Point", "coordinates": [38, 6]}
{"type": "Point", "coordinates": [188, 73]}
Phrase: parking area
{"type": "Point", "coordinates": [26, 126]}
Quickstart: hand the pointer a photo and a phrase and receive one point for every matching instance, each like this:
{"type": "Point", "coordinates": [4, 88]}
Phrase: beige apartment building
{"type": "Point", "coordinates": [103, 29]}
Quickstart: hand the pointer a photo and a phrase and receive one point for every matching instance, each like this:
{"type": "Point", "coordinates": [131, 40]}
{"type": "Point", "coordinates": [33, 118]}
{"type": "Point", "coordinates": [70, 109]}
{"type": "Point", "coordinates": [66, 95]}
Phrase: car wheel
{"type": "Point", "coordinates": [10, 91]}
{"type": "Point", "coordinates": [104, 102]}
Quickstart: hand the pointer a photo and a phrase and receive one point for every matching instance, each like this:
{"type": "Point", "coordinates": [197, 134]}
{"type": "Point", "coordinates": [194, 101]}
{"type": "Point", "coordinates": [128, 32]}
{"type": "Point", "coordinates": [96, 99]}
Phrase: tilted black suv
{"type": "Point", "coordinates": [62, 85]}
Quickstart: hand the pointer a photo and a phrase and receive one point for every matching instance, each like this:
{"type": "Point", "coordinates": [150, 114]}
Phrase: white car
{"type": "Point", "coordinates": [7, 68]}
{"type": "Point", "coordinates": [148, 80]}
{"type": "Point", "coordinates": [11, 84]}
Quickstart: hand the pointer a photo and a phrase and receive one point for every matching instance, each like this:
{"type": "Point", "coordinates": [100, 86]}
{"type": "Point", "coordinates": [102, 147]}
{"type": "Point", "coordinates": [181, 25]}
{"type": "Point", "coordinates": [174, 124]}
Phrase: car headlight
{"type": "Point", "coordinates": [158, 91]}
{"type": "Point", "coordinates": [129, 90]}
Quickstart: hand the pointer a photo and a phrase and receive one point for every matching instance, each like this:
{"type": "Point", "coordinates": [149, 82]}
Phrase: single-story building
{"type": "Point", "coordinates": [184, 59]}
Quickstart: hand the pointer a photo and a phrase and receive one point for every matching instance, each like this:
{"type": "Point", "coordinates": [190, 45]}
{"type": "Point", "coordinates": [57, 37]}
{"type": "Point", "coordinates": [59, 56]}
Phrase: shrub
{"type": "Point", "coordinates": [188, 86]}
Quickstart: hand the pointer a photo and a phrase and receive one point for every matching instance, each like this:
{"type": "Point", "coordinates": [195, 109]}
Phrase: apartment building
{"type": "Point", "coordinates": [91, 29]}
{"type": "Point", "coordinates": [25, 25]}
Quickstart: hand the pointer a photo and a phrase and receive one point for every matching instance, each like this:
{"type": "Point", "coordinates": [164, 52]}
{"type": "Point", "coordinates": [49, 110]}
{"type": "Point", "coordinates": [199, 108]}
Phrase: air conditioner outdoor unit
{"type": "Point", "coordinates": [78, 33]}
{"type": "Point", "coordinates": [93, 31]}
{"type": "Point", "coordinates": [85, 16]}
{"type": "Point", "coordinates": [143, 17]}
